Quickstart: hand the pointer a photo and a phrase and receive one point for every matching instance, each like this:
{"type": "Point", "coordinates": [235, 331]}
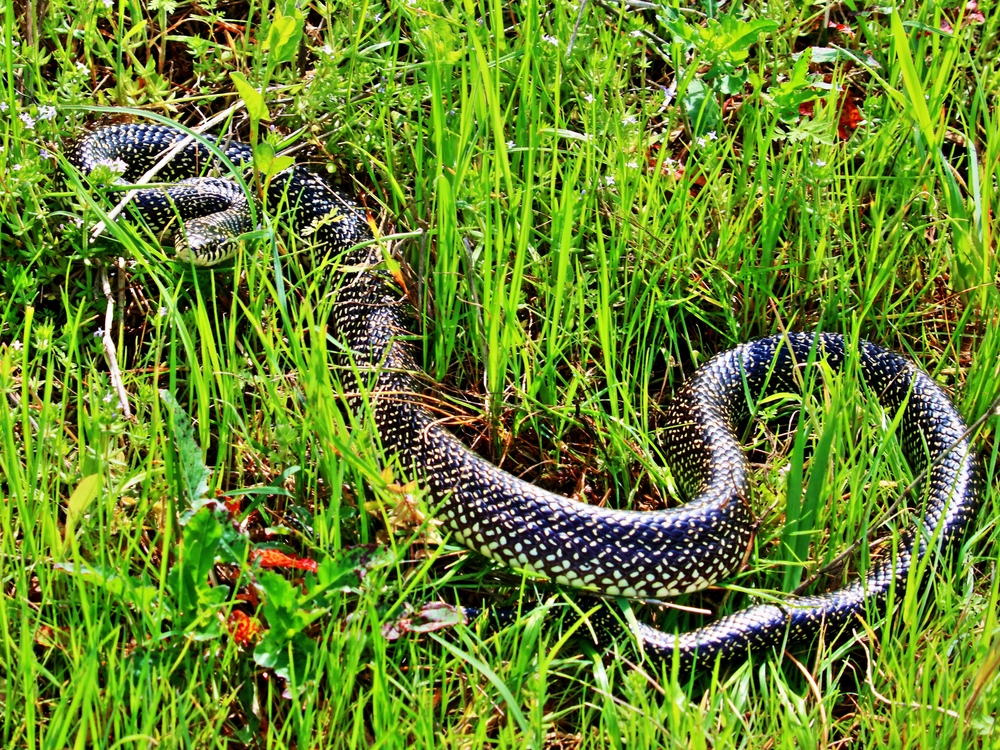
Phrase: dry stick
{"type": "Point", "coordinates": [109, 346]}
{"type": "Point", "coordinates": [110, 353]}
{"type": "Point", "coordinates": [891, 510]}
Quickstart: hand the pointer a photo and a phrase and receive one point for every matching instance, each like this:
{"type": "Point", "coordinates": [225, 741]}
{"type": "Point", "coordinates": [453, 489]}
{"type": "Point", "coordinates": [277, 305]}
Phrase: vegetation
{"type": "Point", "coordinates": [589, 199]}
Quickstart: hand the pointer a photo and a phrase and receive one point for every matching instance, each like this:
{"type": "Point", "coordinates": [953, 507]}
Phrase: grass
{"type": "Point", "coordinates": [590, 202]}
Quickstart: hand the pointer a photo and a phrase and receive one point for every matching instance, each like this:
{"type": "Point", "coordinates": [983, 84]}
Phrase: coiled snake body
{"type": "Point", "coordinates": [625, 553]}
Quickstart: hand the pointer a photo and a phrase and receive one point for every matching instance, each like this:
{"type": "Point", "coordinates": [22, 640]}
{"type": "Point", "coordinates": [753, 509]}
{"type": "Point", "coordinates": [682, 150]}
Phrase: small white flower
{"type": "Point", "coordinates": [99, 333]}
{"type": "Point", "coordinates": [28, 120]}
{"type": "Point", "coordinates": [550, 39]}
{"type": "Point", "coordinates": [635, 33]}
{"type": "Point", "coordinates": [326, 49]}
{"type": "Point", "coordinates": [4, 106]}
{"type": "Point", "coordinates": [629, 120]}
{"type": "Point", "coordinates": [819, 163]}
{"type": "Point", "coordinates": [108, 3]}
{"type": "Point", "coordinates": [377, 17]}
{"type": "Point", "coordinates": [609, 180]}
{"type": "Point", "coordinates": [17, 167]}
{"type": "Point", "coordinates": [589, 98]}
{"type": "Point", "coordinates": [109, 397]}
{"type": "Point", "coordinates": [44, 153]}
{"type": "Point", "coordinates": [118, 166]}
{"type": "Point", "coordinates": [711, 135]}
{"type": "Point", "coordinates": [46, 112]}
{"type": "Point", "coordinates": [511, 144]}
{"type": "Point", "coordinates": [670, 161]}
{"type": "Point", "coordinates": [17, 346]}
{"type": "Point", "coordinates": [81, 67]}
{"type": "Point", "coordinates": [633, 164]}
{"type": "Point", "coordinates": [162, 311]}
{"type": "Point", "coordinates": [701, 141]}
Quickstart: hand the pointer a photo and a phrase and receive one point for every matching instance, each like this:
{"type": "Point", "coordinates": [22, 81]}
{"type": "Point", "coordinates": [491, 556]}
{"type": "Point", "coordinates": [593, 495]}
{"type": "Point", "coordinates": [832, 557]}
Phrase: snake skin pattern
{"type": "Point", "coordinates": [620, 553]}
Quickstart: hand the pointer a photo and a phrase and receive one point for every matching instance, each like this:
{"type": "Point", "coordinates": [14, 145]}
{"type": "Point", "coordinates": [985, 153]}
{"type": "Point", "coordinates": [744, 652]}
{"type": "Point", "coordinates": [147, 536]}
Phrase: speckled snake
{"type": "Point", "coordinates": [623, 553]}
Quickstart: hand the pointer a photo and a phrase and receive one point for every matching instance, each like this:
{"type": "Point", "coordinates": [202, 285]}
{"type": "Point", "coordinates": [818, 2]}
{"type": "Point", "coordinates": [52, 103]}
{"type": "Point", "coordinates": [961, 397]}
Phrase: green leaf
{"type": "Point", "coordinates": [702, 107]}
{"type": "Point", "coordinates": [912, 84]}
{"type": "Point", "coordinates": [251, 97]}
{"type": "Point", "coordinates": [267, 162]}
{"type": "Point", "coordinates": [284, 36]}
{"type": "Point", "coordinates": [187, 580]}
{"type": "Point", "coordinates": [740, 35]}
{"type": "Point", "coordinates": [85, 493]}
{"type": "Point", "coordinates": [194, 473]}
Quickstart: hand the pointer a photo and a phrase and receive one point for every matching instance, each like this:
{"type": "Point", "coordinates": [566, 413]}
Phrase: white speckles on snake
{"type": "Point", "coordinates": [639, 555]}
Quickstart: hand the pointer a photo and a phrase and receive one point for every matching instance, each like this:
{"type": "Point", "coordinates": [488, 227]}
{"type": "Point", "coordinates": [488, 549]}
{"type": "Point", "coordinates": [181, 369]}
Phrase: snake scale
{"type": "Point", "coordinates": [623, 553]}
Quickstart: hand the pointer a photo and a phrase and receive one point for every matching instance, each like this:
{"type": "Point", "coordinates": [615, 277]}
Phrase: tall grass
{"type": "Point", "coordinates": [577, 240]}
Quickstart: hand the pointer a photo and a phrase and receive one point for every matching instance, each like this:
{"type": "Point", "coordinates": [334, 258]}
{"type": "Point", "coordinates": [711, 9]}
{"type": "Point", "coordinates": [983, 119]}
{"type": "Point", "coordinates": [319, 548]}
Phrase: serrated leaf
{"type": "Point", "coordinates": [194, 473]}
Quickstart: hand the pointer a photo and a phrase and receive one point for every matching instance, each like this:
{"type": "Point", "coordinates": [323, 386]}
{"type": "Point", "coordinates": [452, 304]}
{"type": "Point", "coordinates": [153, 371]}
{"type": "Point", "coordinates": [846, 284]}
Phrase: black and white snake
{"type": "Point", "coordinates": [623, 553]}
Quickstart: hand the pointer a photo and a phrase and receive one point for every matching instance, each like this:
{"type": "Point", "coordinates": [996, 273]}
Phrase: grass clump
{"type": "Point", "coordinates": [590, 200]}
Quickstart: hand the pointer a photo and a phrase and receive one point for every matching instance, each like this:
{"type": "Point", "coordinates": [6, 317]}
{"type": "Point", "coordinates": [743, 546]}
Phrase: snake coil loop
{"type": "Point", "coordinates": [623, 553]}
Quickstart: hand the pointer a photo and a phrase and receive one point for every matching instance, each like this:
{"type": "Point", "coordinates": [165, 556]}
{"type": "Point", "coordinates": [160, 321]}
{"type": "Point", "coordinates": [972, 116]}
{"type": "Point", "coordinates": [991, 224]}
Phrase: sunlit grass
{"type": "Point", "coordinates": [576, 244]}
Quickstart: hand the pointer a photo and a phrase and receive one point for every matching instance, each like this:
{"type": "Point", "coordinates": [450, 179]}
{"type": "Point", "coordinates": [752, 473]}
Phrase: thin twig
{"type": "Point", "coordinates": [110, 353]}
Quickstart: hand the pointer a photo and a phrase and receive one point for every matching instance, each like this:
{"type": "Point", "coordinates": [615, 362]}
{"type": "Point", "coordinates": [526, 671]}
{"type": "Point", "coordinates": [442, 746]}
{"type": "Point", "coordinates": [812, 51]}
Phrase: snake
{"type": "Point", "coordinates": [613, 552]}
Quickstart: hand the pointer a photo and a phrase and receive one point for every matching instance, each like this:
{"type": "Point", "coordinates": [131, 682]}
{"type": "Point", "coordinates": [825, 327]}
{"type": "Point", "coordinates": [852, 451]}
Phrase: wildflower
{"type": "Point", "coordinates": [99, 333]}
{"type": "Point", "coordinates": [108, 3]}
{"type": "Point", "coordinates": [28, 120]}
{"type": "Point", "coordinates": [609, 180]}
{"type": "Point", "coordinates": [632, 164]}
{"type": "Point", "coordinates": [17, 346]}
{"type": "Point", "coordinates": [18, 167]}
{"type": "Point", "coordinates": [118, 166]}
{"type": "Point", "coordinates": [326, 49]}
{"type": "Point", "coordinates": [589, 98]}
{"type": "Point", "coordinates": [711, 135]}
{"type": "Point", "coordinates": [109, 397]}
{"type": "Point", "coordinates": [629, 120]}
{"type": "Point", "coordinates": [511, 144]}
{"type": "Point", "coordinates": [46, 112]}
{"type": "Point", "coordinates": [701, 141]}
{"type": "Point", "coordinates": [4, 106]}
{"type": "Point", "coordinates": [162, 311]}
{"type": "Point", "coordinates": [635, 33]}
{"type": "Point", "coordinates": [550, 39]}
{"type": "Point", "coordinates": [44, 153]}
{"type": "Point", "coordinates": [819, 163]}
